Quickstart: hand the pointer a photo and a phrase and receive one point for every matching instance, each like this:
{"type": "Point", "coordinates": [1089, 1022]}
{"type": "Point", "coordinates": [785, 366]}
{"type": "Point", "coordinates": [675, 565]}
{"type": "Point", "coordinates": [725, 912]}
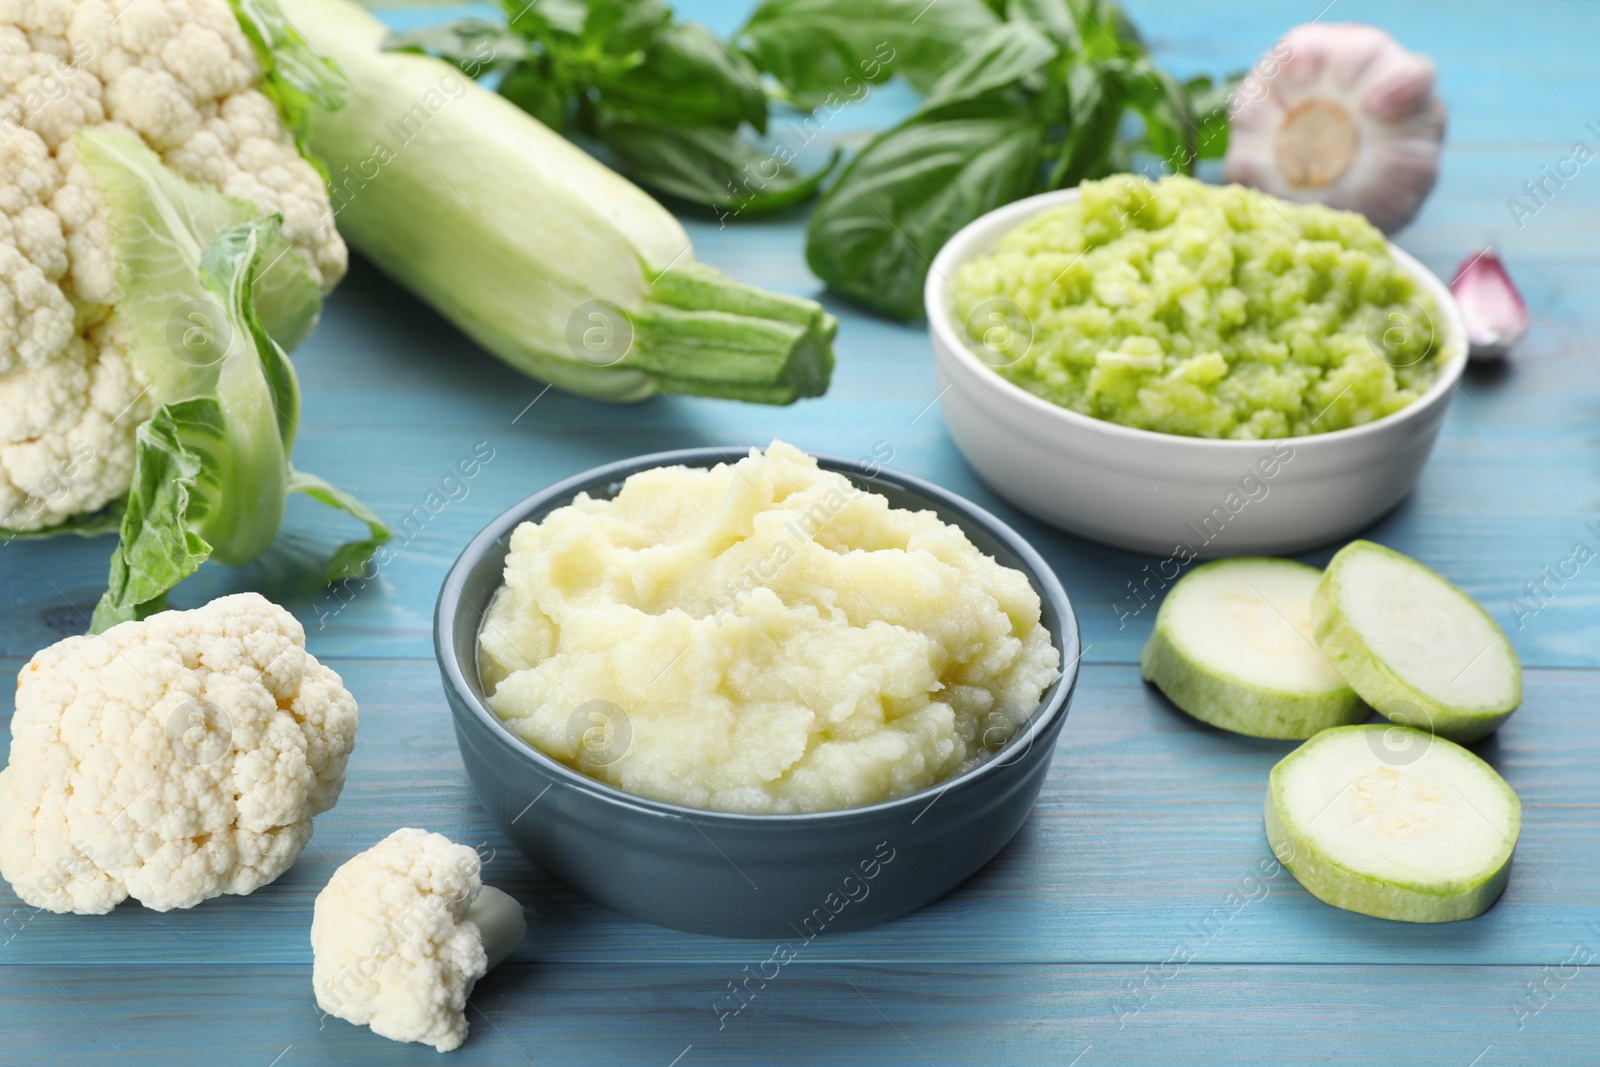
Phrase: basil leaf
{"type": "Point", "coordinates": [1105, 31]}
{"type": "Point", "coordinates": [712, 167]}
{"type": "Point", "coordinates": [1208, 113]}
{"type": "Point", "coordinates": [1097, 103]}
{"type": "Point", "coordinates": [1053, 17]}
{"type": "Point", "coordinates": [1161, 102]}
{"type": "Point", "coordinates": [532, 87]}
{"type": "Point", "coordinates": [473, 45]}
{"type": "Point", "coordinates": [875, 231]}
{"type": "Point", "coordinates": [621, 26]}
{"type": "Point", "coordinates": [688, 78]}
{"type": "Point", "coordinates": [546, 18]}
{"type": "Point", "coordinates": [1003, 56]}
{"type": "Point", "coordinates": [817, 47]}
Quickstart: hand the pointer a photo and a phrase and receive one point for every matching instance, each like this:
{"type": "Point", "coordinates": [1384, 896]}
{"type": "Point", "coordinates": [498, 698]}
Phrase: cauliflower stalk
{"type": "Point", "coordinates": [143, 384]}
{"type": "Point", "coordinates": [171, 760]}
{"type": "Point", "coordinates": [403, 931]}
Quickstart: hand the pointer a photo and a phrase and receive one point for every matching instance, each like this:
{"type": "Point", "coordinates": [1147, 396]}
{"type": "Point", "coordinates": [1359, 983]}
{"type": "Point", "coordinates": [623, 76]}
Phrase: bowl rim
{"type": "Point", "coordinates": [1053, 703]}
{"type": "Point", "coordinates": [946, 340]}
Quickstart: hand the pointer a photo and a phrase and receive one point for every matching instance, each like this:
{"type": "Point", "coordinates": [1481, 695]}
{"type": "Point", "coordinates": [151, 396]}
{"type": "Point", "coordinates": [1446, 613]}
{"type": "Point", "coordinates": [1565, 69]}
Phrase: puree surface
{"type": "Point", "coordinates": [1209, 311]}
{"type": "Point", "coordinates": [760, 637]}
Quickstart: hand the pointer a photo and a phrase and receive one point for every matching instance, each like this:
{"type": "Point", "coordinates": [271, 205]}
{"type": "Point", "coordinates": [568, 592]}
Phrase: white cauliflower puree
{"type": "Point", "coordinates": [760, 637]}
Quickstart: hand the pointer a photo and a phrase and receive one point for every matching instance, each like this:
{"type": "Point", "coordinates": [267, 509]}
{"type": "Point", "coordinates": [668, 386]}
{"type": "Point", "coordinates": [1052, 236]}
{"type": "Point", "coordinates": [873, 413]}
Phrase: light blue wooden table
{"type": "Point", "coordinates": [1147, 839]}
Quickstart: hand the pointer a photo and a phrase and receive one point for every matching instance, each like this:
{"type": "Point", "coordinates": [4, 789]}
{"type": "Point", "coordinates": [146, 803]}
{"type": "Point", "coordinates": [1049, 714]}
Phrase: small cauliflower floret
{"type": "Point", "coordinates": [403, 931]}
{"type": "Point", "coordinates": [171, 760]}
{"type": "Point", "coordinates": [180, 76]}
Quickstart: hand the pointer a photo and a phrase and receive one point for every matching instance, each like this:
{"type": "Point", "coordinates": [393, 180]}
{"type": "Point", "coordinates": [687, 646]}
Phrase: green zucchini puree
{"type": "Point", "coordinates": [1210, 311]}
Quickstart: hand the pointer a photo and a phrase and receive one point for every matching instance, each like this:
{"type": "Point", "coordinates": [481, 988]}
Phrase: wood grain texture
{"type": "Point", "coordinates": [1148, 831]}
{"type": "Point", "coordinates": [675, 1015]}
{"type": "Point", "coordinates": [1147, 838]}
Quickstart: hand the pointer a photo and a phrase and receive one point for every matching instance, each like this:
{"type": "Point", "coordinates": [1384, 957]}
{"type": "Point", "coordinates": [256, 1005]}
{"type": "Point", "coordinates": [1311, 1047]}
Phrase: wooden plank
{"type": "Point", "coordinates": [1147, 838]}
{"type": "Point", "coordinates": [679, 1015]}
{"type": "Point", "coordinates": [1147, 834]}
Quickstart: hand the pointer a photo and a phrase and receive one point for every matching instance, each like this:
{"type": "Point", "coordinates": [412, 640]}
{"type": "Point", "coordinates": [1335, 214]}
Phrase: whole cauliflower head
{"type": "Point", "coordinates": [391, 944]}
{"type": "Point", "coordinates": [180, 76]}
{"type": "Point", "coordinates": [171, 760]}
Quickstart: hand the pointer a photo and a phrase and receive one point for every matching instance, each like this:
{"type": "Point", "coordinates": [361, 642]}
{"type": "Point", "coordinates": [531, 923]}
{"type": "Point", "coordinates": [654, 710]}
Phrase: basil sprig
{"type": "Point", "coordinates": [1015, 104]}
{"type": "Point", "coordinates": [679, 110]}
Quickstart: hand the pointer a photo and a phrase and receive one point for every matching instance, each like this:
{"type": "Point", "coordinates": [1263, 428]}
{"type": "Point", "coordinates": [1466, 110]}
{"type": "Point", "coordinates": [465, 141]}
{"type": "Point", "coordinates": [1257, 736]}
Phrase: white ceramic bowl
{"type": "Point", "coordinates": [1164, 493]}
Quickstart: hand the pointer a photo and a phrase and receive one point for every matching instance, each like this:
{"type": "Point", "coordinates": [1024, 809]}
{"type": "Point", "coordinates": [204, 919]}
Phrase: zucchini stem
{"type": "Point", "coordinates": [701, 332]}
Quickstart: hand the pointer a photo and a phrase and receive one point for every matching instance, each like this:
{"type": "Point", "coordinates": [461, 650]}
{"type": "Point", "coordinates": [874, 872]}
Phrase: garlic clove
{"type": "Point", "coordinates": [1353, 50]}
{"type": "Point", "coordinates": [1344, 116]}
{"type": "Point", "coordinates": [1490, 305]}
{"type": "Point", "coordinates": [1399, 89]}
{"type": "Point", "coordinates": [1305, 62]}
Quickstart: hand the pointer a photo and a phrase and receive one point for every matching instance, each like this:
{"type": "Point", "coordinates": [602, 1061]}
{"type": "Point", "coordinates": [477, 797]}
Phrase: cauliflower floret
{"type": "Point", "coordinates": [181, 76]}
{"type": "Point", "coordinates": [171, 760]}
{"type": "Point", "coordinates": [403, 931]}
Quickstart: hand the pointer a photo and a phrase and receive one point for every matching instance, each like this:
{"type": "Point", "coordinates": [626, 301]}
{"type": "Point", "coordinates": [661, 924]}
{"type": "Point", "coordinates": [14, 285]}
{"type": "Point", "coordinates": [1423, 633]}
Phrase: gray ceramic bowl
{"type": "Point", "coordinates": [769, 876]}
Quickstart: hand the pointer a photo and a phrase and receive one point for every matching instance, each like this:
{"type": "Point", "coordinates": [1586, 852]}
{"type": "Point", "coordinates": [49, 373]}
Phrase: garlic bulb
{"type": "Point", "coordinates": [1495, 316]}
{"type": "Point", "coordinates": [1342, 115]}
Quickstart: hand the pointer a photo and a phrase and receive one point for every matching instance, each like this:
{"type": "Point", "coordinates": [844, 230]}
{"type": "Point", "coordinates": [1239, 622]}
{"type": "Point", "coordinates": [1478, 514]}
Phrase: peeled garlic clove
{"type": "Point", "coordinates": [1342, 115]}
{"type": "Point", "coordinates": [1490, 305]}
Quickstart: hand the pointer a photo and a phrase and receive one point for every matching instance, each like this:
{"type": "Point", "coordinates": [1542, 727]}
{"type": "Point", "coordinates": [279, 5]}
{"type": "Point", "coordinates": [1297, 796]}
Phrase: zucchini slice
{"type": "Point", "coordinates": [1233, 647]}
{"type": "Point", "coordinates": [1415, 647]}
{"type": "Point", "coordinates": [1393, 822]}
